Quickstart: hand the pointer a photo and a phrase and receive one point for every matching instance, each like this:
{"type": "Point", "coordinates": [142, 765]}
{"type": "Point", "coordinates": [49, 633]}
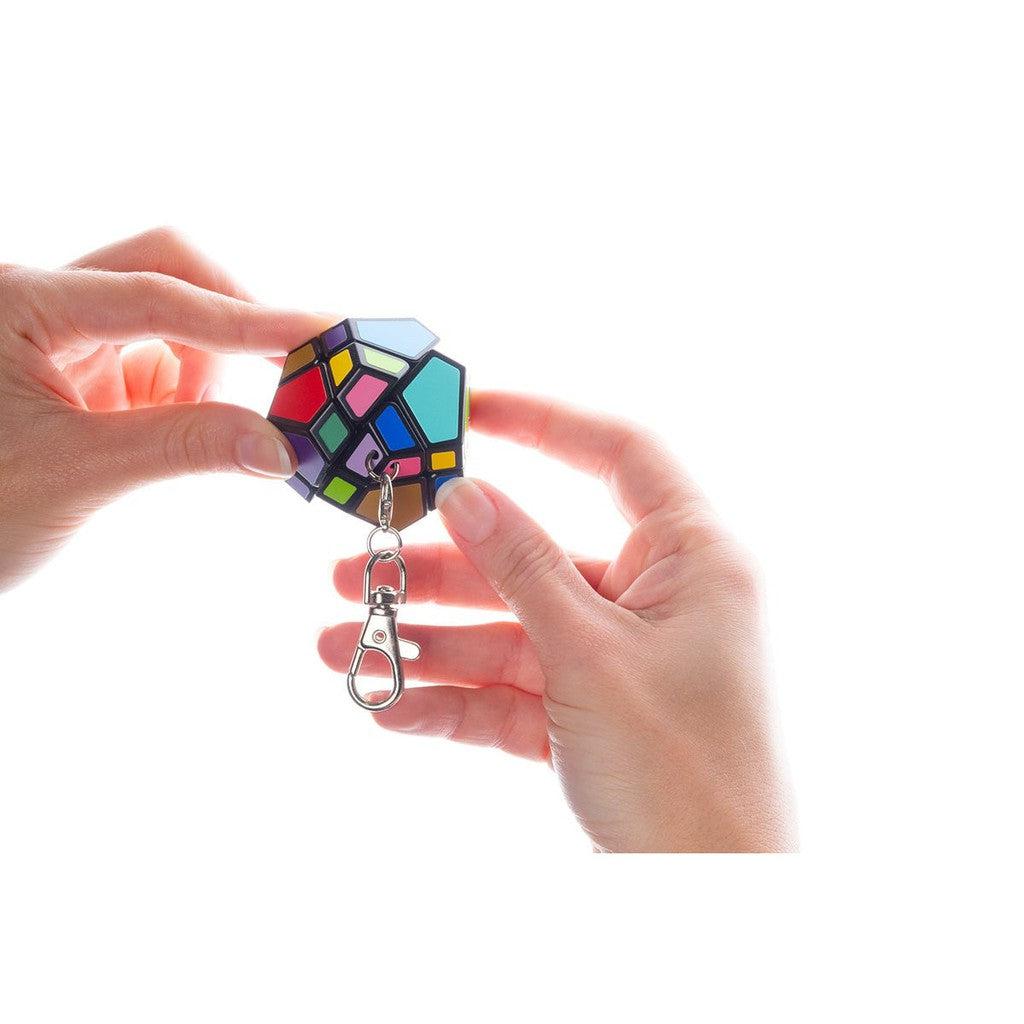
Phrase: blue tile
{"type": "Point", "coordinates": [393, 431]}
{"type": "Point", "coordinates": [443, 479]}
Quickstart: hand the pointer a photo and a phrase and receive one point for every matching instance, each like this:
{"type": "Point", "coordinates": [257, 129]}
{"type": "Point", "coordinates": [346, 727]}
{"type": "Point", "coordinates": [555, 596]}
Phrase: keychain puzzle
{"type": "Point", "coordinates": [377, 420]}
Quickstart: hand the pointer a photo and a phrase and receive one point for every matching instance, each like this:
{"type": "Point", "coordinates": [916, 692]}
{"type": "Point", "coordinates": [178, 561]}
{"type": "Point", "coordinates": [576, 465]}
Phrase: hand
{"type": "Point", "coordinates": [81, 420]}
{"type": "Point", "coordinates": [641, 679]}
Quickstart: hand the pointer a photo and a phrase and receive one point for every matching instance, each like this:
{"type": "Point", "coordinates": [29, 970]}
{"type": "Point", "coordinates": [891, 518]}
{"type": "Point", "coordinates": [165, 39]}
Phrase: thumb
{"type": "Point", "coordinates": [126, 449]}
{"type": "Point", "coordinates": [529, 571]}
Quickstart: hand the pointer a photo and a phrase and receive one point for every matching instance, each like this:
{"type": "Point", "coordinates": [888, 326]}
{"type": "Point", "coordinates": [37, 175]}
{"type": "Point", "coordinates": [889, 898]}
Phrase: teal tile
{"type": "Point", "coordinates": [433, 397]}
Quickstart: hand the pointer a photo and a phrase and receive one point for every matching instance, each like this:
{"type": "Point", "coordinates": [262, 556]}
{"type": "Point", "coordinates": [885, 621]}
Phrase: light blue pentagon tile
{"type": "Point", "coordinates": [433, 396]}
{"type": "Point", "coordinates": [407, 338]}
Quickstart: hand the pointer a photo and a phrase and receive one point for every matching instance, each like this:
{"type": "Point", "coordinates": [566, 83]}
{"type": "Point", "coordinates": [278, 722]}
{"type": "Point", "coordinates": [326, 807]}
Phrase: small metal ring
{"type": "Point", "coordinates": [390, 468]}
{"type": "Point", "coordinates": [385, 554]}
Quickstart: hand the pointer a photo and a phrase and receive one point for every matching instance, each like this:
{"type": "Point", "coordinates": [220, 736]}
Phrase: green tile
{"type": "Point", "coordinates": [332, 431]}
{"type": "Point", "coordinates": [339, 490]}
{"type": "Point", "coordinates": [383, 361]}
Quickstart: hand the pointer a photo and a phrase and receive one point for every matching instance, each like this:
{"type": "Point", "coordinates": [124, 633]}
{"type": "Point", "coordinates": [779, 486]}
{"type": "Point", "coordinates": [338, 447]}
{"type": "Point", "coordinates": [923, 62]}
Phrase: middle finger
{"type": "Point", "coordinates": [441, 573]}
{"type": "Point", "coordinates": [484, 655]}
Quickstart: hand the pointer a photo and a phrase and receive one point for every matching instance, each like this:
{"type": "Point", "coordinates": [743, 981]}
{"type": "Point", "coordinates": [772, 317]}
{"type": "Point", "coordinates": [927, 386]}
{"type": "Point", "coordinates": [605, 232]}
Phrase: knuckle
{"type": "Point", "coordinates": [167, 247]}
{"type": "Point", "coordinates": [679, 529]}
{"type": "Point", "coordinates": [515, 655]}
{"type": "Point", "coordinates": [156, 294]}
{"type": "Point", "coordinates": [165, 237]}
{"type": "Point", "coordinates": [736, 571]}
{"type": "Point", "coordinates": [508, 721]}
{"type": "Point", "coordinates": [191, 446]}
{"type": "Point", "coordinates": [152, 281]}
{"type": "Point", "coordinates": [697, 528]}
{"type": "Point", "coordinates": [172, 252]}
{"type": "Point", "coordinates": [628, 436]}
{"type": "Point", "coordinates": [526, 560]}
{"type": "Point", "coordinates": [456, 720]}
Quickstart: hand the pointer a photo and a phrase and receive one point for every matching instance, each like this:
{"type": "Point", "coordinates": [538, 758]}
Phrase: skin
{"type": "Point", "coordinates": [82, 420]}
{"type": "Point", "coordinates": [641, 680]}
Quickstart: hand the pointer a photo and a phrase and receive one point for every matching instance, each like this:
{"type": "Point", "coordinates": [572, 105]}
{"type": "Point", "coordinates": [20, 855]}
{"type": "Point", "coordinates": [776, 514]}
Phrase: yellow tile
{"type": "Point", "coordinates": [442, 460]}
{"type": "Point", "coordinates": [341, 366]}
{"type": "Point", "coordinates": [297, 359]}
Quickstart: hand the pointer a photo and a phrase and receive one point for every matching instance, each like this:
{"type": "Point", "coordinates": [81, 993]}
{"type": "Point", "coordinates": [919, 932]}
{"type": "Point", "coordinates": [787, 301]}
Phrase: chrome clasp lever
{"type": "Point", "coordinates": [381, 632]}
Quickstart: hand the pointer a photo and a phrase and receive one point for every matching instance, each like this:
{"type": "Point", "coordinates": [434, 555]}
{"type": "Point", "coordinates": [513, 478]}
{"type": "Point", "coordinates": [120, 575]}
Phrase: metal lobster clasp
{"type": "Point", "coordinates": [381, 632]}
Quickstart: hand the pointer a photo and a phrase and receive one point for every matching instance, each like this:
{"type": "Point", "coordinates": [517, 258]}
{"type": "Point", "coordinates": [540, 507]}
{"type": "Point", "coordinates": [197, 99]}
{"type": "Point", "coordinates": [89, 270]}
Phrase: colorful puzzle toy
{"type": "Point", "coordinates": [368, 394]}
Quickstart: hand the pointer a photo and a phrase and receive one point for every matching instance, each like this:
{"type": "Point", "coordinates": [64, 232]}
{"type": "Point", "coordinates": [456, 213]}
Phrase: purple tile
{"type": "Point", "coordinates": [357, 460]}
{"type": "Point", "coordinates": [299, 487]}
{"type": "Point", "coordinates": [334, 337]}
{"type": "Point", "coordinates": [311, 462]}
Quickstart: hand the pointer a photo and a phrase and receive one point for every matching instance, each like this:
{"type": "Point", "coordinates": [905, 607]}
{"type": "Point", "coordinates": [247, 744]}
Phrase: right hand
{"type": "Point", "coordinates": [642, 679]}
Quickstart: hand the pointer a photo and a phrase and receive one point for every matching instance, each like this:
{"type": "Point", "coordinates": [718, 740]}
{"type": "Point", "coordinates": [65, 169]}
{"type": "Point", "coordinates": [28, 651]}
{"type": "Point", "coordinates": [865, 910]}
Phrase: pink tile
{"type": "Point", "coordinates": [408, 466]}
{"type": "Point", "coordinates": [364, 393]}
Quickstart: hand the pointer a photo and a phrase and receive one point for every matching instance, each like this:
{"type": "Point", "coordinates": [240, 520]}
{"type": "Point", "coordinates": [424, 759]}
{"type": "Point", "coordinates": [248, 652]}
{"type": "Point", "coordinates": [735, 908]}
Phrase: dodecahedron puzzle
{"type": "Point", "coordinates": [377, 390]}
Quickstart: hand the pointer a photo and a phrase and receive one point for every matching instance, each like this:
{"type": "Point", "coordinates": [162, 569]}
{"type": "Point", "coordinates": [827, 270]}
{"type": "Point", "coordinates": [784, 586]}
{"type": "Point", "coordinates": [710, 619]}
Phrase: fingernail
{"type": "Point", "coordinates": [268, 456]}
{"type": "Point", "coordinates": [467, 510]}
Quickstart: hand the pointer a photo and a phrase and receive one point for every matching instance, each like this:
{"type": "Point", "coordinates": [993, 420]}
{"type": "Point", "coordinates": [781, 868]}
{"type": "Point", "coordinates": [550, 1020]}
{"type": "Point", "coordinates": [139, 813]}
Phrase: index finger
{"type": "Point", "coordinates": [640, 473]}
{"type": "Point", "coordinates": [164, 250]}
{"type": "Point", "coordinates": [76, 306]}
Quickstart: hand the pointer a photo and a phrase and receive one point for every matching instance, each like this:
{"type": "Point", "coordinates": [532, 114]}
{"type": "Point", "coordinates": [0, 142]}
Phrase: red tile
{"type": "Point", "coordinates": [301, 398]}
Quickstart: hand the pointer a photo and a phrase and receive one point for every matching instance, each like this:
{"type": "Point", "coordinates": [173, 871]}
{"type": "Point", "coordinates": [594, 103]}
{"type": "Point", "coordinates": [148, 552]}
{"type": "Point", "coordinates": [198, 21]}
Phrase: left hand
{"type": "Point", "coordinates": [82, 420]}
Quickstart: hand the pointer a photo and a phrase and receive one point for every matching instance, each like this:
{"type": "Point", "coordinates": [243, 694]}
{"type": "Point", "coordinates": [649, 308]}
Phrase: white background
{"type": "Point", "coordinates": [786, 236]}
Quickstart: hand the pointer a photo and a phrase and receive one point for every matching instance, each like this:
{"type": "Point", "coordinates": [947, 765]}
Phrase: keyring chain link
{"type": "Point", "coordinates": [385, 509]}
{"type": "Point", "coordinates": [386, 505]}
{"type": "Point", "coordinates": [380, 632]}
{"type": "Point", "coordinates": [388, 553]}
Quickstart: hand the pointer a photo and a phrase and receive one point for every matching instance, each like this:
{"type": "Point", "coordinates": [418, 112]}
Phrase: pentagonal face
{"type": "Point", "coordinates": [373, 390]}
{"type": "Point", "coordinates": [406, 338]}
